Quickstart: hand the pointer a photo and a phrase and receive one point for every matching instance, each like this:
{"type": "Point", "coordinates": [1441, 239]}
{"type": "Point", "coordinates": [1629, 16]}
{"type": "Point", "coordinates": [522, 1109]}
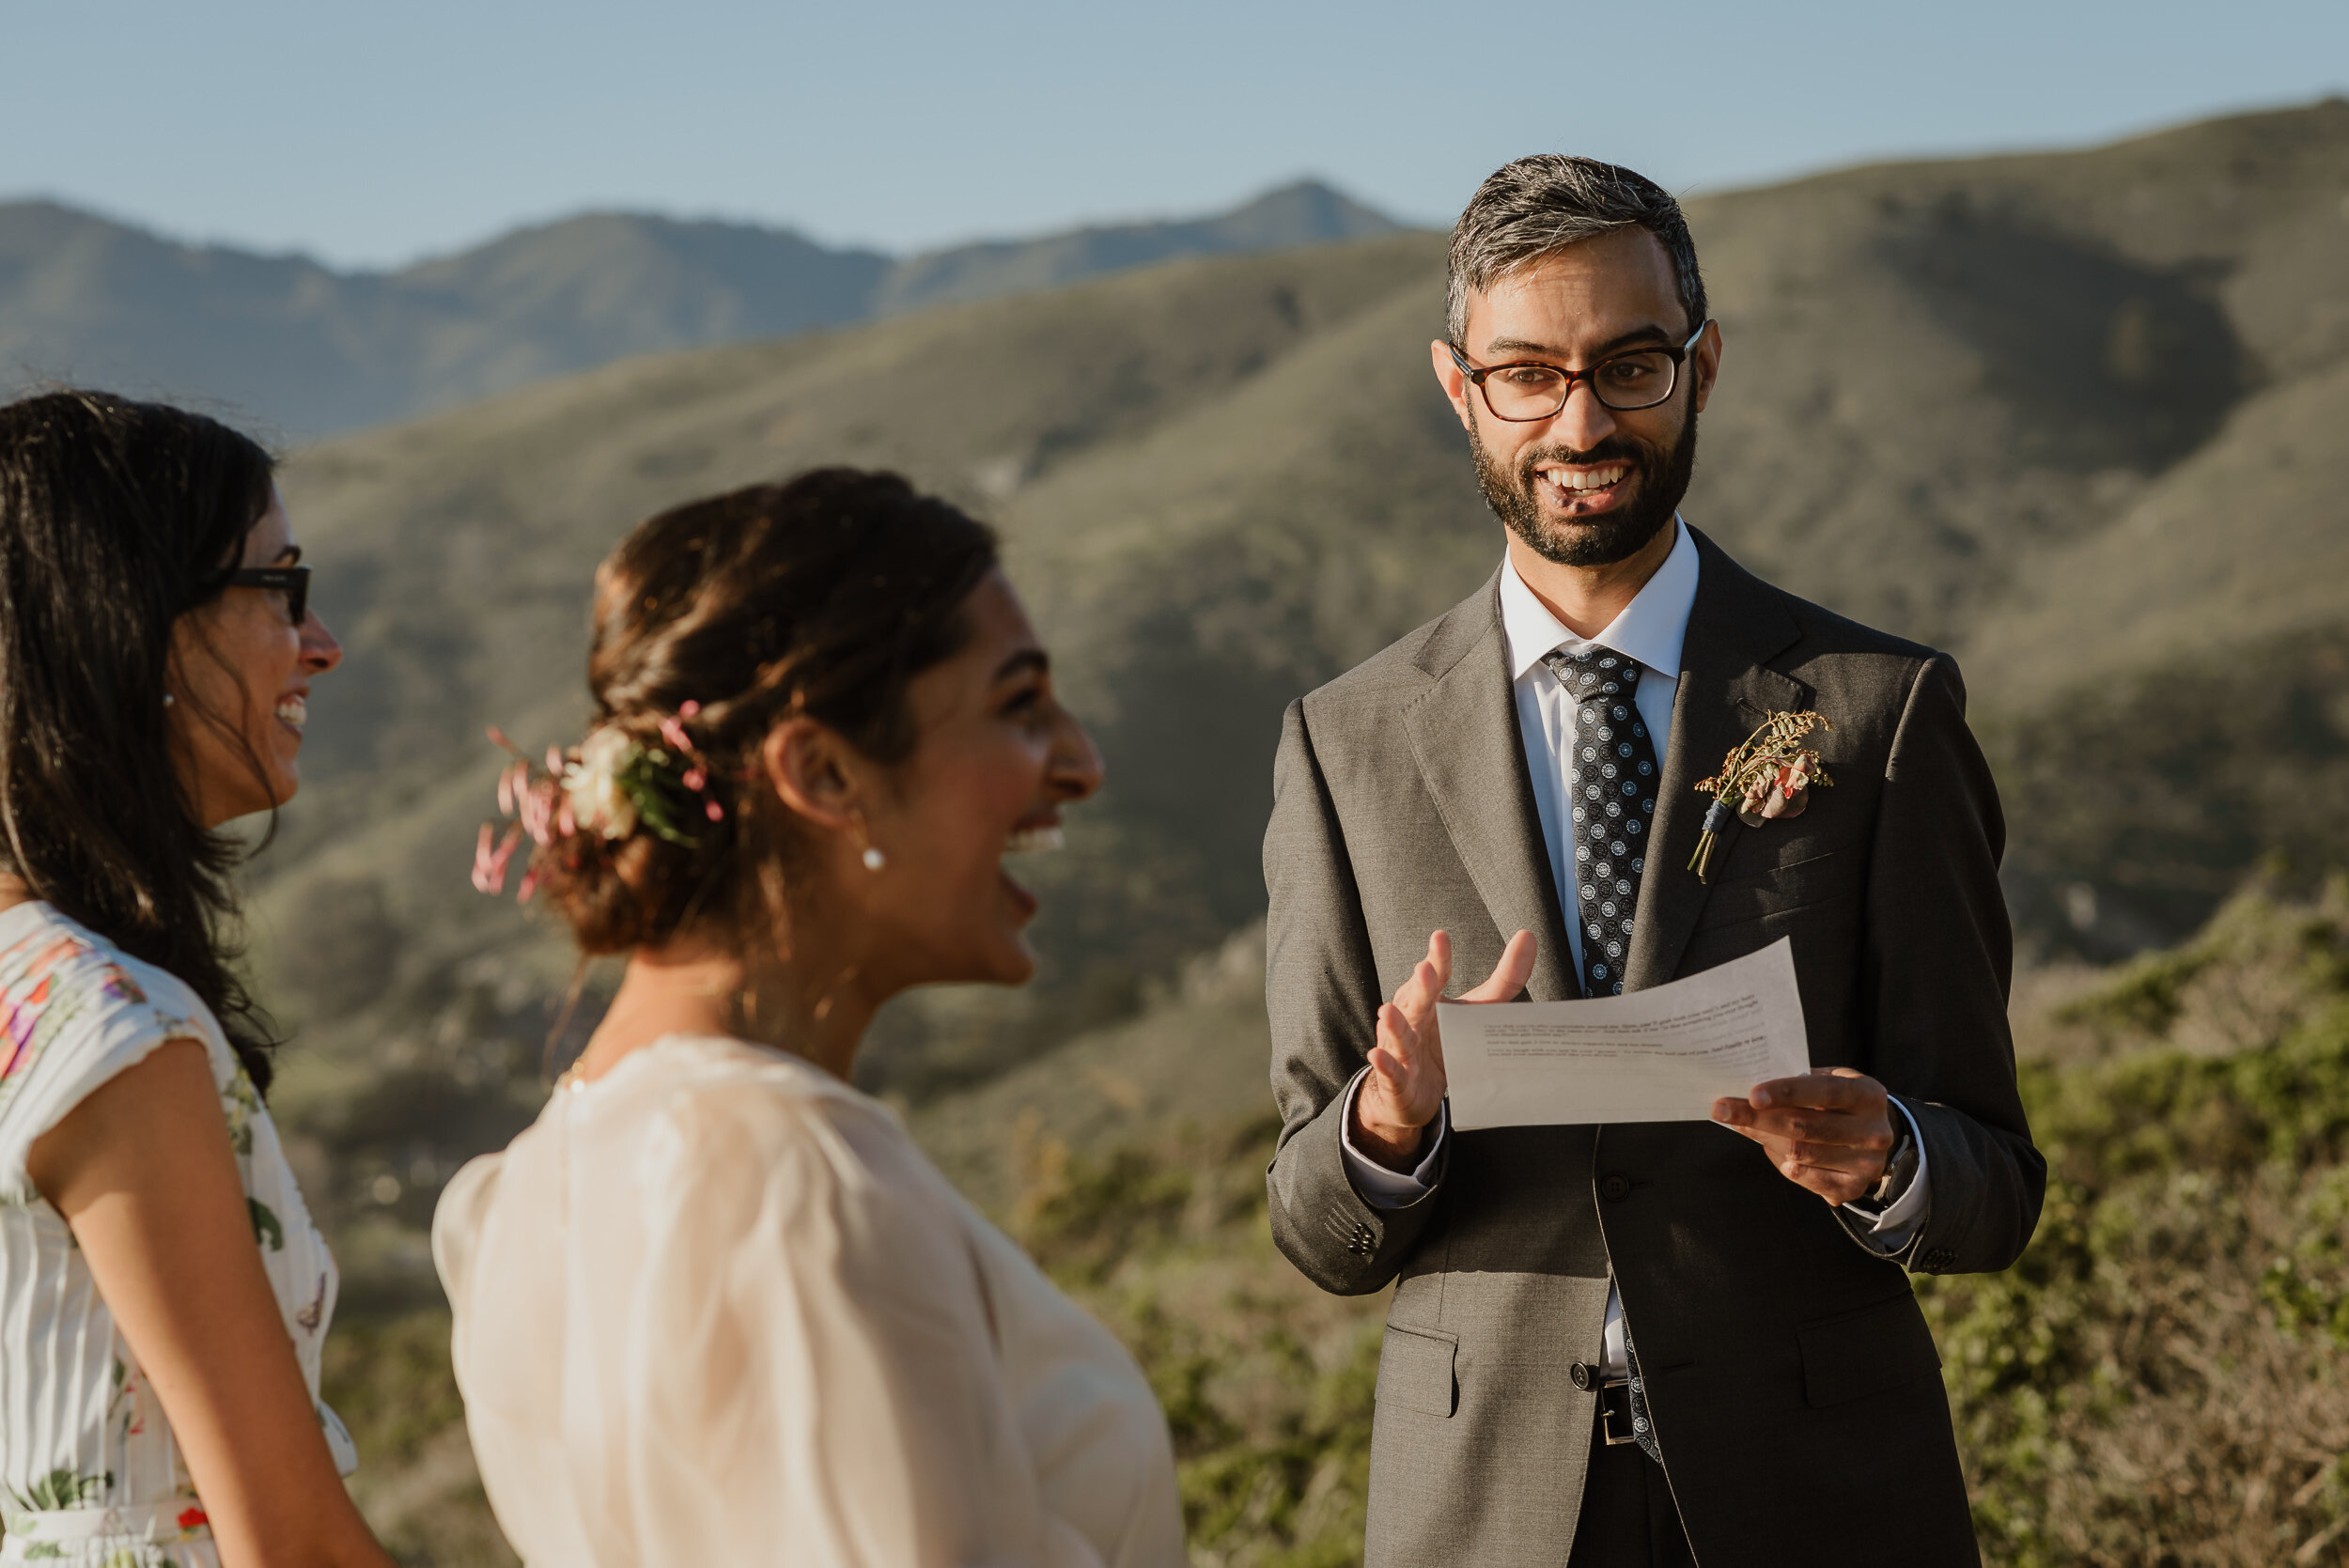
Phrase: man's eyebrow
{"type": "Point", "coordinates": [1023, 661]}
{"type": "Point", "coordinates": [1649, 334]}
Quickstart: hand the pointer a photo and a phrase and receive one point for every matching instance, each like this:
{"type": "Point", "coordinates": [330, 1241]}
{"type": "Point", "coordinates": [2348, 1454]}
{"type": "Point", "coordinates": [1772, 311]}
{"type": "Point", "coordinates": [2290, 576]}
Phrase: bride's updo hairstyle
{"type": "Point", "coordinates": [823, 596]}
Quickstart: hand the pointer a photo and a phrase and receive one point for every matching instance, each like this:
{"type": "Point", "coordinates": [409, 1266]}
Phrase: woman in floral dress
{"type": "Point", "coordinates": [164, 1294]}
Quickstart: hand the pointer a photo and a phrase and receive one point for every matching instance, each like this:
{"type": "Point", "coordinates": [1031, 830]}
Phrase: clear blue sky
{"type": "Point", "coordinates": [377, 133]}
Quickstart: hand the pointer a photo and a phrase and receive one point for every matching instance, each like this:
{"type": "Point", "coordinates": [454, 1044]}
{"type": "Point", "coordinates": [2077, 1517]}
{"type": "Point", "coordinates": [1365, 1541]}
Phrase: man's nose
{"type": "Point", "coordinates": [1584, 421]}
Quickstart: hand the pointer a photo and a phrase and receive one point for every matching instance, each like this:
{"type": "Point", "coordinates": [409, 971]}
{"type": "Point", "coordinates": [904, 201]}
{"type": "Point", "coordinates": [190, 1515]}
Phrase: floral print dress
{"type": "Point", "coordinates": [89, 1473]}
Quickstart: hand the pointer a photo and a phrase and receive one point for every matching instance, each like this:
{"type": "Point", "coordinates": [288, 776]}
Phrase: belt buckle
{"type": "Point", "coordinates": [1609, 1409]}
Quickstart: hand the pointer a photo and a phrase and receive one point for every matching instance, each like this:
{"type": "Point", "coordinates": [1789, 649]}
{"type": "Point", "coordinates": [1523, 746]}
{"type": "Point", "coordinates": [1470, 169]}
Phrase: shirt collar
{"type": "Point", "coordinates": [1650, 628]}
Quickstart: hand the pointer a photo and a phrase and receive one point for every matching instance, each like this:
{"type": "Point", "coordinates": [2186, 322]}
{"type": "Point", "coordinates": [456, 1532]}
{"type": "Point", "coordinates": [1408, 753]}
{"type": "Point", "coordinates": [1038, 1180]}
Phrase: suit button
{"type": "Point", "coordinates": [1582, 1374]}
{"type": "Point", "coordinates": [1615, 1187]}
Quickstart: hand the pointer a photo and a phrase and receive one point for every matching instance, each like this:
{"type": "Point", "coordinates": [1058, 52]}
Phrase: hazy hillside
{"type": "Point", "coordinates": [1222, 481]}
{"type": "Point", "coordinates": [2075, 417]}
{"type": "Point", "coordinates": [2026, 408]}
{"type": "Point", "coordinates": [292, 344]}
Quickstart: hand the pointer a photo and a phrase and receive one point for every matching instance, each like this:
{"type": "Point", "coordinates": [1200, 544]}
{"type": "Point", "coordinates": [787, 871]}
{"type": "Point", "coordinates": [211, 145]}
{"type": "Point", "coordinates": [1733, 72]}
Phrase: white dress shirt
{"type": "Point", "coordinates": [1651, 630]}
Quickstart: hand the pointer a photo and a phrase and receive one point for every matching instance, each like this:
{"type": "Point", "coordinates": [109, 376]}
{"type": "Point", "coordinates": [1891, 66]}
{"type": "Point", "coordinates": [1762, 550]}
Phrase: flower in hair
{"type": "Point", "coordinates": [611, 786]}
{"type": "Point", "coordinates": [596, 787]}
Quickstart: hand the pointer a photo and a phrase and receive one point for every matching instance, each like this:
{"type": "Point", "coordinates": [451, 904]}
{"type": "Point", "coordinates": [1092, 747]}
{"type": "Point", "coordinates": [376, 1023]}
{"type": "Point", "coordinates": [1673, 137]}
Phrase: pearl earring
{"type": "Point", "coordinates": [874, 858]}
{"type": "Point", "coordinates": [169, 699]}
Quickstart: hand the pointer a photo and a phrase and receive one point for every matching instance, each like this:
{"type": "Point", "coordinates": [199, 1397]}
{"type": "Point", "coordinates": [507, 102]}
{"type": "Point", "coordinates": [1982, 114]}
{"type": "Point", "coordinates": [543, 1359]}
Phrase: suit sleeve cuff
{"type": "Point", "coordinates": [1900, 1219]}
{"type": "Point", "coordinates": [1391, 1190]}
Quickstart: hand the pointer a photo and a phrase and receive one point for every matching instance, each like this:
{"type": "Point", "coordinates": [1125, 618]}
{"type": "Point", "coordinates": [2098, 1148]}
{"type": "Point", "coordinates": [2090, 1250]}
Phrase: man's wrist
{"type": "Point", "coordinates": [1395, 1146]}
{"type": "Point", "coordinates": [1899, 1163]}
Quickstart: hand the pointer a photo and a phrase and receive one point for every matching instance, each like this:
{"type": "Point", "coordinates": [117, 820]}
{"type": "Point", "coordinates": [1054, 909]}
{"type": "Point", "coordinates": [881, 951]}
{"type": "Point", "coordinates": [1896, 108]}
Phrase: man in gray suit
{"type": "Point", "coordinates": [1660, 1343]}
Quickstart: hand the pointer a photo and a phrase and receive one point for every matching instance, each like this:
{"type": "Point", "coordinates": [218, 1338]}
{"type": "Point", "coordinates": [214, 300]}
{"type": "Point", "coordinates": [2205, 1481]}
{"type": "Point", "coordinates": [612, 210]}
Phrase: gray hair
{"type": "Point", "coordinates": [1539, 205]}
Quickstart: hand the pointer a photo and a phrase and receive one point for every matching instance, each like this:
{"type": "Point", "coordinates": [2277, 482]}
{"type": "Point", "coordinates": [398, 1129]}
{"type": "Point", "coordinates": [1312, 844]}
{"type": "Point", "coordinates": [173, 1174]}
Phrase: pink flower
{"type": "Point", "coordinates": [715, 812]}
{"type": "Point", "coordinates": [687, 709]}
{"type": "Point", "coordinates": [695, 779]}
{"type": "Point", "coordinates": [537, 814]}
{"type": "Point", "coordinates": [513, 783]}
{"type": "Point", "coordinates": [490, 859]}
{"type": "Point", "coordinates": [673, 733]}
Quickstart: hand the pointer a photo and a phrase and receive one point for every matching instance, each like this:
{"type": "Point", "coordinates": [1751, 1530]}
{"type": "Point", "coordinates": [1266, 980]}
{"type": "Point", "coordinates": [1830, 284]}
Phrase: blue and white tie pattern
{"type": "Point", "coordinates": [1612, 779]}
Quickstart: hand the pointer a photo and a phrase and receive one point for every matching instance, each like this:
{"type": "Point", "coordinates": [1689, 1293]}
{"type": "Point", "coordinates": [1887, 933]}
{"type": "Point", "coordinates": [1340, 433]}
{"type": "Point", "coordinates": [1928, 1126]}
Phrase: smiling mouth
{"type": "Point", "coordinates": [293, 712]}
{"type": "Point", "coordinates": [1039, 839]}
{"type": "Point", "coordinates": [1035, 841]}
{"type": "Point", "coordinates": [1588, 483]}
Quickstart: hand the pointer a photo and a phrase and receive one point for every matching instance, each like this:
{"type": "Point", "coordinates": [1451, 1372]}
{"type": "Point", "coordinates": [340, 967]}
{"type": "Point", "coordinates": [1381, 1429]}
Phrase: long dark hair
{"type": "Point", "coordinates": [117, 518]}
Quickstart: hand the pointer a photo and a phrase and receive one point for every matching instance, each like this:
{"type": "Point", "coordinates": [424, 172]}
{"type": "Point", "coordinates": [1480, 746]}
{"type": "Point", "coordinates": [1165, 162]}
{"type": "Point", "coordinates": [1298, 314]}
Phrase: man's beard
{"type": "Point", "coordinates": [1660, 479]}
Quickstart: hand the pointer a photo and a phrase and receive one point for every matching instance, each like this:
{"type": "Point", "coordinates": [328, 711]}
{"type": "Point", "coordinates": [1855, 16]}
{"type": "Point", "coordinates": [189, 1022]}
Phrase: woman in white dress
{"type": "Point", "coordinates": [715, 1306]}
{"type": "Point", "coordinates": [163, 1295]}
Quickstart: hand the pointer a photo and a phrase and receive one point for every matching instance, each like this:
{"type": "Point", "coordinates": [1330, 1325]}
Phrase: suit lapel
{"type": "Point", "coordinates": [1464, 735]}
{"type": "Point", "coordinates": [1724, 694]}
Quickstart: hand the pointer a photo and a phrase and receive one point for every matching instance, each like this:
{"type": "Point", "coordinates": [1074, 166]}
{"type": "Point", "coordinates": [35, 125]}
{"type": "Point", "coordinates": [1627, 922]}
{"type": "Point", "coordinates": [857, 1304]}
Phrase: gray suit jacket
{"type": "Point", "coordinates": [1791, 1376]}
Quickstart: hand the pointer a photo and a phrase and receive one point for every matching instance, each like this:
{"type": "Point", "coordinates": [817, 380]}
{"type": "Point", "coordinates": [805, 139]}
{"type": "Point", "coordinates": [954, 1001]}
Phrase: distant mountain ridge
{"type": "Point", "coordinates": [289, 342]}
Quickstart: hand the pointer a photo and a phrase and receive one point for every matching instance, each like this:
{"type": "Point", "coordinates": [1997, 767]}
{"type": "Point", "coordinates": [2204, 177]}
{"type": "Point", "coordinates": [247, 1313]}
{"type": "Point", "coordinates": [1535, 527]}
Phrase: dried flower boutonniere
{"type": "Point", "coordinates": [1769, 776]}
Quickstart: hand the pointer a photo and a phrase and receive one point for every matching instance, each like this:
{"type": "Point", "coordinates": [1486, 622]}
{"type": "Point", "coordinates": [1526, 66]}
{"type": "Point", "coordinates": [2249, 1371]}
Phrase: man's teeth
{"type": "Point", "coordinates": [1586, 479]}
{"type": "Point", "coordinates": [295, 711]}
{"type": "Point", "coordinates": [1033, 841]}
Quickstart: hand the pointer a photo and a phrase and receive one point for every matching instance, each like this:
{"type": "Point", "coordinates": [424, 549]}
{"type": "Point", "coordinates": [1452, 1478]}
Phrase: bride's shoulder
{"type": "Point", "coordinates": [703, 1070]}
{"type": "Point", "coordinates": [718, 1103]}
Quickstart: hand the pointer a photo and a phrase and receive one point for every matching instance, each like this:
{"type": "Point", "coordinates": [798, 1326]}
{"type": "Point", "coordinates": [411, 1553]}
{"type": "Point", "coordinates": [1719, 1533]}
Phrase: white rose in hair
{"type": "Point", "coordinates": [592, 785]}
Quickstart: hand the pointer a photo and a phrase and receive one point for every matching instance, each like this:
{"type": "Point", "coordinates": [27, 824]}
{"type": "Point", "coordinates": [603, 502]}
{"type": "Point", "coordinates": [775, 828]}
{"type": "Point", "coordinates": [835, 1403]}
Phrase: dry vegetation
{"type": "Point", "coordinates": [2159, 1383]}
{"type": "Point", "coordinates": [2161, 1380]}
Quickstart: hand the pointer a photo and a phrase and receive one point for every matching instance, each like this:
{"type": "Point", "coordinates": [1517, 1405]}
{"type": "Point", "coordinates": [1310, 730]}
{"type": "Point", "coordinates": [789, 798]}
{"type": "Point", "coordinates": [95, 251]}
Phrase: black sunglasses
{"type": "Point", "coordinates": [293, 581]}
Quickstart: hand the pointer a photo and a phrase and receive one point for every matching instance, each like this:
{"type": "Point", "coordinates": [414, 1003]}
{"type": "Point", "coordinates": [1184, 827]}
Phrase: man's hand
{"type": "Point", "coordinates": [1828, 1131]}
{"type": "Point", "coordinates": [1405, 1086]}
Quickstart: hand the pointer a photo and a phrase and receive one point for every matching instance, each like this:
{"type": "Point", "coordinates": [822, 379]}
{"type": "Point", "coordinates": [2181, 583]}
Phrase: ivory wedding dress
{"type": "Point", "coordinates": [715, 1306]}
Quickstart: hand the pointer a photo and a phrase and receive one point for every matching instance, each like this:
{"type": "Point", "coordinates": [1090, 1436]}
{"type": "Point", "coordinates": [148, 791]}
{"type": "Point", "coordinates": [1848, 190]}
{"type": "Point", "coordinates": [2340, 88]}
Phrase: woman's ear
{"type": "Point", "coordinates": [815, 772]}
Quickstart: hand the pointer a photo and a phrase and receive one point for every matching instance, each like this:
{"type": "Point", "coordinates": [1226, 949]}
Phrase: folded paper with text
{"type": "Point", "coordinates": [1659, 1055]}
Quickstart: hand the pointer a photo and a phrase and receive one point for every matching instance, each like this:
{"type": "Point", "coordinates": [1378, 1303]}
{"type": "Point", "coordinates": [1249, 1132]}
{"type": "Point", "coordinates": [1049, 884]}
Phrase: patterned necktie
{"type": "Point", "coordinates": [1611, 778]}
